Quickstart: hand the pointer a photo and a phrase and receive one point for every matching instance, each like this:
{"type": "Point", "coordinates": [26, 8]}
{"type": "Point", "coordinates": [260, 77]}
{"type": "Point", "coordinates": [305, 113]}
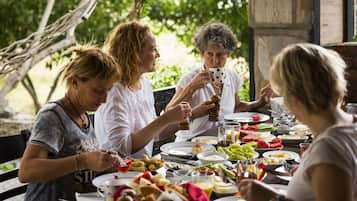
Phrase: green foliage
{"type": "Point", "coordinates": [184, 17]}
{"type": "Point", "coordinates": [26, 15]}
{"type": "Point", "coordinates": [244, 91]}
{"type": "Point", "coordinates": [165, 76]}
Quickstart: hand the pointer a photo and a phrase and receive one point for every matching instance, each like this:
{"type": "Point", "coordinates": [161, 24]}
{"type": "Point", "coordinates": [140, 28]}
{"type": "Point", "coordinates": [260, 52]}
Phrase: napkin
{"type": "Point", "coordinates": [195, 193]}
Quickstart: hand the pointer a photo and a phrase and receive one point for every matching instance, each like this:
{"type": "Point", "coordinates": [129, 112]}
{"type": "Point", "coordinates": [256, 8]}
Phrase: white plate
{"type": "Point", "coordinates": [246, 117]}
{"type": "Point", "coordinates": [230, 198]}
{"type": "Point", "coordinates": [282, 169]}
{"type": "Point", "coordinates": [183, 148]}
{"type": "Point", "coordinates": [206, 140]}
{"type": "Point", "coordinates": [283, 155]}
{"type": "Point", "coordinates": [100, 180]}
{"type": "Point", "coordinates": [280, 188]}
{"type": "Point", "coordinates": [293, 138]}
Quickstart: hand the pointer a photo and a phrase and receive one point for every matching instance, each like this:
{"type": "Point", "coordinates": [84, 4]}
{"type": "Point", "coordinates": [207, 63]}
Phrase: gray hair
{"type": "Point", "coordinates": [217, 33]}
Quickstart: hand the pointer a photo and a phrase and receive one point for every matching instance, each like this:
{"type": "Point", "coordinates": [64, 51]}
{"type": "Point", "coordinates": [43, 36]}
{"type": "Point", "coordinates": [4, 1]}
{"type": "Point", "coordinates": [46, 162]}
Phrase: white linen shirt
{"type": "Point", "coordinates": [338, 147]}
{"type": "Point", "coordinates": [125, 112]}
{"type": "Point", "coordinates": [232, 83]}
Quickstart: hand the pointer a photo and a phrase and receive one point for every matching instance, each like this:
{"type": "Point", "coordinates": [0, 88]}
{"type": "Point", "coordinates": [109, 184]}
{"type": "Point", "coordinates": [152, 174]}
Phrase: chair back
{"type": "Point", "coordinates": [162, 97]}
{"type": "Point", "coordinates": [12, 148]}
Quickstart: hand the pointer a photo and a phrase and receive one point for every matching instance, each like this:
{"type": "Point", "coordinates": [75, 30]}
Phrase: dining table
{"type": "Point", "coordinates": [270, 178]}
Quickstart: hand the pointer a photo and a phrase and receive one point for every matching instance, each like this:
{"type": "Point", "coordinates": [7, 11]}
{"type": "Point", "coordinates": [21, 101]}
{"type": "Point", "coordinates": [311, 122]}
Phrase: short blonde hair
{"type": "Point", "coordinates": [125, 43]}
{"type": "Point", "coordinates": [90, 63]}
{"type": "Point", "coordinates": [310, 73]}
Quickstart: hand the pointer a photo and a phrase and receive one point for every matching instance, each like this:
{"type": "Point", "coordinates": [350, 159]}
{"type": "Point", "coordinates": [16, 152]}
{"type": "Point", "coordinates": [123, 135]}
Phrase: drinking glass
{"type": "Point", "coordinates": [206, 183]}
{"type": "Point", "coordinates": [221, 136]}
{"type": "Point", "coordinates": [232, 129]}
{"type": "Point", "coordinates": [351, 108]}
{"type": "Point", "coordinates": [246, 169]}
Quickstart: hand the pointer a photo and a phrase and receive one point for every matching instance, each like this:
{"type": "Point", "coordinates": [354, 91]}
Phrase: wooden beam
{"type": "Point", "coordinates": [349, 19]}
{"type": "Point", "coordinates": [315, 32]}
{"type": "Point", "coordinates": [251, 64]}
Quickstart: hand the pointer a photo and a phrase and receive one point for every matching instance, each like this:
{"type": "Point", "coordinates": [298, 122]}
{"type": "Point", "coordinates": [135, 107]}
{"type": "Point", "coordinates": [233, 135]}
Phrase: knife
{"type": "Point", "coordinates": [274, 172]}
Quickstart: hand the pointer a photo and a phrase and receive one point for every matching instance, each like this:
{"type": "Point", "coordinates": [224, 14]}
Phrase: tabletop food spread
{"type": "Point", "coordinates": [203, 168]}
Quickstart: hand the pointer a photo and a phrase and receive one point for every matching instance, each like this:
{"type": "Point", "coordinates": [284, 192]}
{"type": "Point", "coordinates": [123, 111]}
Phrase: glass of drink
{"type": "Point", "coordinates": [221, 135]}
{"type": "Point", "coordinates": [206, 183]}
{"type": "Point", "coordinates": [246, 170]}
{"type": "Point", "coordinates": [232, 130]}
{"type": "Point", "coordinates": [351, 108]}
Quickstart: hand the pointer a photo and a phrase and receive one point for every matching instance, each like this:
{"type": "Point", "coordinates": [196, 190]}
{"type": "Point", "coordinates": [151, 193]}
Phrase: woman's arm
{"type": "Point", "coordinates": [330, 183]}
{"type": "Point", "coordinates": [246, 106]}
{"type": "Point", "coordinates": [185, 93]}
{"type": "Point", "coordinates": [182, 94]}
{"type": "Point", "coordinates": [174, 115]}
{"type": "Point", "coordinates": [37, 167]}
{"type": "Point", "coordinates": [265, 95]}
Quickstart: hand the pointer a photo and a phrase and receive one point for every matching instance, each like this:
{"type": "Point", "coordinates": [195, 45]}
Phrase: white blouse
{"type": "Point", "coordinates": [125, 112]}
{"type": "Point", "coordinates": [232, 83]}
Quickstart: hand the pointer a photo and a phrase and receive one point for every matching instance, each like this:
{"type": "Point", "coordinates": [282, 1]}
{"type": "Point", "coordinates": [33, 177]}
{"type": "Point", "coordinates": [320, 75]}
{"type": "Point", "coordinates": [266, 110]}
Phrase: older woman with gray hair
{"type": "Point", "coordinates": [216, 42]}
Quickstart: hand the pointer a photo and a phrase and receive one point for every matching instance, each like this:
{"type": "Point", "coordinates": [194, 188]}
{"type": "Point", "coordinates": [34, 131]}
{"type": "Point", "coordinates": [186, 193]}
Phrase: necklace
{"type": "Point", "coordinates": [83, 121]}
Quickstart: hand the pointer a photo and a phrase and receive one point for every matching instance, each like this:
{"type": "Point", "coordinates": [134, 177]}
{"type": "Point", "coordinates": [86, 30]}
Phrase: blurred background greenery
{"type": "Point", "coordinates": [174, 22]}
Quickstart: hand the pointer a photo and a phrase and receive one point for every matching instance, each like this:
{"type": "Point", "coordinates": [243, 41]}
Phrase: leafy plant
{"type": "Point", "coordinates": [165, 76]}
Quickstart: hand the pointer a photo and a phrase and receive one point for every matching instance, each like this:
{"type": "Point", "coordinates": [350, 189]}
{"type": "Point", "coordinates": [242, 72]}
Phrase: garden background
{"type": "Point", "coordinates": [174, 22]}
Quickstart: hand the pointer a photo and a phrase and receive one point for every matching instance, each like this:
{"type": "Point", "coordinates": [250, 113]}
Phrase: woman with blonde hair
{"type": "Point", "coordinates": [62, 152]}
{"type": "Point", "coordinates": [311, 80]}
{"type": "Point", "coordinates": [127, 122]}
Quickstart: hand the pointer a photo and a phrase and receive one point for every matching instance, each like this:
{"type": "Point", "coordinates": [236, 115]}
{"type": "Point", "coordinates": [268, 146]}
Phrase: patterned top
{"type": "Point", "coordinates": [54, 130]}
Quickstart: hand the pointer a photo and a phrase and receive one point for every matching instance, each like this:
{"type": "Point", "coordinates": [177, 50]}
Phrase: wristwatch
{"type": "Point", "coordinates": [278, 197]}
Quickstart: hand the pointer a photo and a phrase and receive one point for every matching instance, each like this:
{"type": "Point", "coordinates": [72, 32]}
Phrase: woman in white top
{"type": "Point", "coordinates": [311, 80]}
{"type": "Point", "coordinates": [215, 42]}
{"type": "Point", "coordinates": [127, 122]}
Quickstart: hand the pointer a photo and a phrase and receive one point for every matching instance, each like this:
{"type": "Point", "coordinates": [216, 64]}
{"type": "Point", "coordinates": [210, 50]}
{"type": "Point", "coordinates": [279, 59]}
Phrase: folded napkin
{"type": "Point", "coordinates": [195, 193]}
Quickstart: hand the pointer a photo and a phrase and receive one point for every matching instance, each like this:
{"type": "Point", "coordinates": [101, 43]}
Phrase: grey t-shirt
{"type": "Point", "coordinates": [54, 130]}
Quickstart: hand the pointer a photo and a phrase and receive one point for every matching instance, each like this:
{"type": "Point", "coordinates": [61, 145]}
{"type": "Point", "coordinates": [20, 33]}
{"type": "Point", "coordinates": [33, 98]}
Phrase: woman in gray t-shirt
{"type": "Point", "coordinates": [62, 151]}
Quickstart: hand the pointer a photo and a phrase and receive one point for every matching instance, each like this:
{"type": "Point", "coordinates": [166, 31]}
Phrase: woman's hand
{"type": "Point", "coordinates": [178, 113]}
{"type": "Point", "coordinates": [203, 109]}
{"type": "Point", "coordinates": [199, 81]}
{"type": "Point", "coordinates": [254, 190]}
{"type": "Point", "coordinates": [265, 94]}
{"type": "Point", "coordinates": [98, 160]}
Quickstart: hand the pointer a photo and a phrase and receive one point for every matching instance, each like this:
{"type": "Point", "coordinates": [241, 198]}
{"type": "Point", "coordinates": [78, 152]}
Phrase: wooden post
{"type": "Point", "coordinates": [278, 23]}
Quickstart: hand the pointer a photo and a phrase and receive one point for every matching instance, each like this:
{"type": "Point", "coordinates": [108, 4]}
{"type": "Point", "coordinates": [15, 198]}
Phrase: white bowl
{"type": "Point", "coordinates": [212, 157]}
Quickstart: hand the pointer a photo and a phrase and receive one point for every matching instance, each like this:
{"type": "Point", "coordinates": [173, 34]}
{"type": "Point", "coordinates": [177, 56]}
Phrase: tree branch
{"type": "Point", "coordinates": [54, 86]}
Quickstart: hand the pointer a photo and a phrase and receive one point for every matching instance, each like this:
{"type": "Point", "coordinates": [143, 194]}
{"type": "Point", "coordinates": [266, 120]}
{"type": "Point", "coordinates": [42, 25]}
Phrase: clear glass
{"type": "Point", "coordinates": [232, 131]}
{"type": "Point", "coordinates": [221, 136]}
{"type": "Point", "coordinates": [206, 183]}
{"type": "Point", "coordinates": [351, 108]}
